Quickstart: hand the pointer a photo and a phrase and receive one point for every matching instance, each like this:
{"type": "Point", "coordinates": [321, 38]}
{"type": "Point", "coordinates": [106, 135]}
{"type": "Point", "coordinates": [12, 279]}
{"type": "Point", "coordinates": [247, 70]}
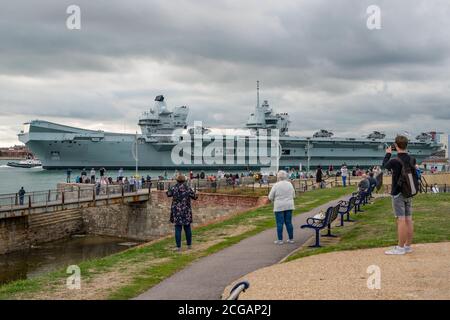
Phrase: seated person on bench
{"type": "Point", "coordinates": [363, 188]}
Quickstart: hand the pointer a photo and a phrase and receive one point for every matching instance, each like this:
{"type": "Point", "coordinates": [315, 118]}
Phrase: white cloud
{"type": "Point", "coordinates": [315, 60]}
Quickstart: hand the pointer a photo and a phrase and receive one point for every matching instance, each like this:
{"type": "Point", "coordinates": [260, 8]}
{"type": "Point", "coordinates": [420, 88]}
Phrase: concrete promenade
{"type": "Point", "coordinates": [206, 278]}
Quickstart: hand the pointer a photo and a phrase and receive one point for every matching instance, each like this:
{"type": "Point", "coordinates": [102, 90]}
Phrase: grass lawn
{"type": "Point", "coordinates": [125, 275]}
{"type": "Point", "coordinates": [375, 227]}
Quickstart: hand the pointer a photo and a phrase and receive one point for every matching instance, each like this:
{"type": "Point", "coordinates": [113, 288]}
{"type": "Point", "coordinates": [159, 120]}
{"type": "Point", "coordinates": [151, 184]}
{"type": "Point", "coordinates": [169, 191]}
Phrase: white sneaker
{"type": "Point", "coordinates": [396, 251]}
{"type": "Point", "coordinates": [291, 241]}
{"type": "Point", "coordinates": [278, 242]}
{"type": "Point", "coordinates": [408, 249]}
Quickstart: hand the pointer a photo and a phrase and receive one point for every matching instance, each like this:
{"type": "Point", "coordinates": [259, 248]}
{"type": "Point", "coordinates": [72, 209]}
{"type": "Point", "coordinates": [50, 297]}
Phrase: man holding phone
{"type": "Point", "coordinates": [402, 206]}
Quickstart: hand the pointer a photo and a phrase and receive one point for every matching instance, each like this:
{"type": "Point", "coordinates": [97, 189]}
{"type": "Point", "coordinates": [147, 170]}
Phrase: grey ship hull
{"type": "Point", "coordinates": [59, 147]}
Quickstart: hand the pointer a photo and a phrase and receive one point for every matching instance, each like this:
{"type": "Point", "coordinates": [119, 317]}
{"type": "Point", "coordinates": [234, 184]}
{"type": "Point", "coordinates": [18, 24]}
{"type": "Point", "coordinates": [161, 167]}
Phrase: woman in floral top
{"type": "Point", "coordinates": [181, 210]}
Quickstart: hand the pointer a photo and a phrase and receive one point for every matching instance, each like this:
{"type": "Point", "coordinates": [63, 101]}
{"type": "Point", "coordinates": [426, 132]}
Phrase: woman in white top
{"type": "Point", "coordinates": [344, 174]}
{"type": "Point", "coordinates": [282, 195]}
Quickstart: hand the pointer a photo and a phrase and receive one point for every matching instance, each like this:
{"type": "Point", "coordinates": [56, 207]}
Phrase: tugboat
{"type": "Point", "coordinates": [28, 163]}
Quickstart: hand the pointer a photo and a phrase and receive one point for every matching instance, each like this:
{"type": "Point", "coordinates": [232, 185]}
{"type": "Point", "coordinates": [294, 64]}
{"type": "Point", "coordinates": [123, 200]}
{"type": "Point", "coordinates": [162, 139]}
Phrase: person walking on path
{"type": "Point", "coordinates": [181, 210]}
{"type": "Point", "coordinates": [344, 174]}
{"type": "Point", "coordinates": [21, 195]}
{"type": "Point", "coordinates": [282, 195]}
{"type": "Point", "coordinates": [402, 206]}
{"type": "Point", "coordinates": [68, 173]}
{"type": "Point", "coordinates": [319, 176]}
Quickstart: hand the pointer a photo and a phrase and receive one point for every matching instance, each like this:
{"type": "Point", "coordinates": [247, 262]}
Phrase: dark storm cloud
{"type": "Point", "coordinates": [316, 60]}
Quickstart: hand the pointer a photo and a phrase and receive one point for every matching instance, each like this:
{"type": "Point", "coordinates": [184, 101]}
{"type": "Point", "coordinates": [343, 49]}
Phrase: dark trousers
{"type": "Point", "coordinates": [364, 195]}
{"type": "Point", "coordinates": [187, 231]}
{"type": "Point", "coordinates": [21, 200]}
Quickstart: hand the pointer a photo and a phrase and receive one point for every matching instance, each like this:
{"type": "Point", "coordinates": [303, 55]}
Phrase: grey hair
{"type": "Point", "coordinates": [282, 175]}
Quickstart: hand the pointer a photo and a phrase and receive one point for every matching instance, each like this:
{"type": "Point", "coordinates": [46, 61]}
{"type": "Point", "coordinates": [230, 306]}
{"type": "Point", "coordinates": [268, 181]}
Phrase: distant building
{"type": "Point", "coordinates": [15, 152]}
{"type": "Point", "coordinates": [444, 139]}
{"type": "Point", "coordinates": [439, 160]}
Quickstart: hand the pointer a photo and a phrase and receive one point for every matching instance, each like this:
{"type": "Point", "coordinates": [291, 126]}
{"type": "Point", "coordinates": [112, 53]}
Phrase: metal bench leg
{"type": "Point", "coordinates": [342, 219]}
{"type": "Point", "coordinates": [329, 233]}
{"type": "Point", "coordinates": [348, 218]}
{"type": "Point", "coordinates": [317, 244]}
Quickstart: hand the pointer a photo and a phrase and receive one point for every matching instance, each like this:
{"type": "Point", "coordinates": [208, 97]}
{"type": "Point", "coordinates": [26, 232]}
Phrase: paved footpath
{"type": "Point", "coordinates": [206, 278]}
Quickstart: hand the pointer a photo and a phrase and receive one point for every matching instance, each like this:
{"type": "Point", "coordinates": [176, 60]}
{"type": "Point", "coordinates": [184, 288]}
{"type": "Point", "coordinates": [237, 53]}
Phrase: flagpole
{"type": "Point", "coordinates": [137, 157]}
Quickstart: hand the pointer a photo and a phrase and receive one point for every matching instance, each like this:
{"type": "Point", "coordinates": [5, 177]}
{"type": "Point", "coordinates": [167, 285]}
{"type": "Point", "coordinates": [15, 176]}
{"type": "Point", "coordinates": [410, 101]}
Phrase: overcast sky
{"type": "Point", "coordinates": [315, 59]}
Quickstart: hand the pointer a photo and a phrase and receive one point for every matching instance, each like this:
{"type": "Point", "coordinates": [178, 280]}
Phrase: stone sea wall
{"type": "Point", "coordinates": [141, 221]}
{"type": "Point", "coordinates": [152, 221]}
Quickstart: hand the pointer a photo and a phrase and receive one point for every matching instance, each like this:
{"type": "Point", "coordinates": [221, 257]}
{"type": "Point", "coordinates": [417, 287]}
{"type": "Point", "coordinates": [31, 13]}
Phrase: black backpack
{"type": "Point", "coordinates": [408, 181]}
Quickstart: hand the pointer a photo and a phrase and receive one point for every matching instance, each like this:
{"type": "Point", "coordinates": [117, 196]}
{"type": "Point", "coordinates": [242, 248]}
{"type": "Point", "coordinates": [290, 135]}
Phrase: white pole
{"type": "Point", "coordinates": [309, 157]}
{"type": "Point", "coordinates": [137, 157]}
{"type": "Point", "coordinates": [257, 94]}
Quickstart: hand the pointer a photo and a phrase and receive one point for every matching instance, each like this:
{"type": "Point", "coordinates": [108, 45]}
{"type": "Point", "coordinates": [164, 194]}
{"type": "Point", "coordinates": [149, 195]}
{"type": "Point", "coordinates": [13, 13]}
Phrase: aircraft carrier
{"type": "Point", "coordinates": [59, 146]}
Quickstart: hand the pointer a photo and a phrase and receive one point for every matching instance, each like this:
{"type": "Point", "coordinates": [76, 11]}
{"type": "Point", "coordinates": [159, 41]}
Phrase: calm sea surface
{"type": "Point", "coordinates": [38, 179]}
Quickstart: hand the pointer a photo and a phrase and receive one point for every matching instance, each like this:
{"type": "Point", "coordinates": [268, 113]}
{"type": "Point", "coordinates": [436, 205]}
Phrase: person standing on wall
{"type": "Point", "coordinates": [68, 173]}
{"type": "Point", "coordinates": [93, 175]}
{"type": "Point", "coordinates": [102, 173]}
{"type": "Point", "coordinates": [21, 195]}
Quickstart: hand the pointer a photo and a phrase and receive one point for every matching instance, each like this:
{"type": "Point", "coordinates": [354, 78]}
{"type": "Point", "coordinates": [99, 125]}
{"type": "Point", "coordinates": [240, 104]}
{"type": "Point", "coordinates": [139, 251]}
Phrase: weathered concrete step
{"type": "Point", "coordinates": [36, 217]}
{"type": "Point", "coordinates": [55, 217]}
{"type": "Point", "coordinates": [47, 223]}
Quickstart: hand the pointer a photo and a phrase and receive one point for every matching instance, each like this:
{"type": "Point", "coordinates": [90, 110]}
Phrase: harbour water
{"type": "Point", "coordinates": [38, 179]}
{"type": "Point", "coordinates": [55, 255]}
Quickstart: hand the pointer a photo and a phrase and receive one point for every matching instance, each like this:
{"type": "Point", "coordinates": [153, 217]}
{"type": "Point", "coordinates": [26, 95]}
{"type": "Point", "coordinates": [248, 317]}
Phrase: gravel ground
{"type": "Point", "coordinates": [423, 274]}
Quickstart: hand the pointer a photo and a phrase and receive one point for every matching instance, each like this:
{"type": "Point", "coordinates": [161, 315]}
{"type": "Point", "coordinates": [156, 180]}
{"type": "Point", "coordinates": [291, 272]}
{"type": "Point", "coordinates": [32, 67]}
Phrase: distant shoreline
{"type": "Point", "coordinates": [9, 158]}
